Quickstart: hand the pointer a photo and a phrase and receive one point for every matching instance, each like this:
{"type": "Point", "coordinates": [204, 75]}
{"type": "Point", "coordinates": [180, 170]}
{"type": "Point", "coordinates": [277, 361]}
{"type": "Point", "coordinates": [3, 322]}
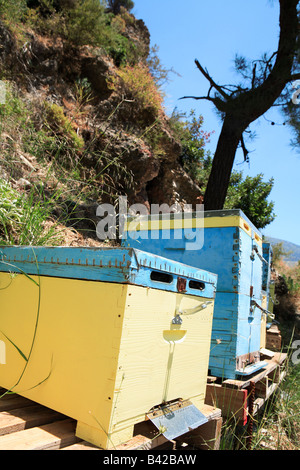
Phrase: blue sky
{"type": "Point", "coordinates": [213, 32]}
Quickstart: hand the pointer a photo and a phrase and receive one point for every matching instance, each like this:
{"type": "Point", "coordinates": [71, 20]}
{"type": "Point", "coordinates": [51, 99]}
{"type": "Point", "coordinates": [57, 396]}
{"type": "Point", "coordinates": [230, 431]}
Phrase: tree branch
{"type": "Point", "coordinates": [295, 76]}
{"type": "Point", "coordinates": [253, 76]}
{"type": "Point", "coordinates": [211, 81]}
{"type": "Point", "coordinates": [209, 98]}
{"type": "Point", "coordinates": [245, 151]}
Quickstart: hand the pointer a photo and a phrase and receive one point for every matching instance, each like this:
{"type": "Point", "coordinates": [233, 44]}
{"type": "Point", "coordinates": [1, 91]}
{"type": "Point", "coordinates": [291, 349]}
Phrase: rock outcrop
{"type": "Point", "coordinates": [44, 69]}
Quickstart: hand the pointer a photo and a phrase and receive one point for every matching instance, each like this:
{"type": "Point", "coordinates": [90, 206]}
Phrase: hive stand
{"type": "Point", "coordinates": [25, 425]}
{"type": "Point", "coordinates": [241, 399]}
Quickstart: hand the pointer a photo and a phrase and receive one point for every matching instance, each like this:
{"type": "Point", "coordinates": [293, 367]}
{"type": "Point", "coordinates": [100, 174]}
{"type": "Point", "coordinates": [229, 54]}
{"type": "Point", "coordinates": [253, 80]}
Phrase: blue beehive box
{"type": "Point", "coordinates": [268, 286]}
{"type": "Point", "coordinates": [228, 244]}
{"type": "Point", "coordinates": [267, 255]}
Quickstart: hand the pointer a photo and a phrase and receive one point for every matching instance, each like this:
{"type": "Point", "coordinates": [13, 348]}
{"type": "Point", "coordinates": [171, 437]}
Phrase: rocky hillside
{"type": "Point", "coordinates": [81, 125]}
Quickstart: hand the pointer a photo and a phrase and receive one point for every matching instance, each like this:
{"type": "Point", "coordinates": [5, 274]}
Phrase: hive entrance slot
{"type": "Point", "coordinates": [197, 285]}
{"type": "Point", "coordinates": [161, 277]}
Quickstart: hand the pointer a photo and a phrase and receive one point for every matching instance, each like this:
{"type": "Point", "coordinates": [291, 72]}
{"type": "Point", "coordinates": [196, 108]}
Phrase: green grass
{"type": "Point", "coordinates": [277, 425]}
{"type": "Point", "coordinates": [23, 218]}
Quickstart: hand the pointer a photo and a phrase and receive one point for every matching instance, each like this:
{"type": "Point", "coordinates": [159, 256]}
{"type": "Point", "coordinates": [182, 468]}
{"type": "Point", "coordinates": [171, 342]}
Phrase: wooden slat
{"type": "Point", "coordinates": [36, 427]}
{"type": "Point", "coordinates": [206, 437]}
{"type": "Point", "coordinates": [277, 360]}
{"type": "Point", "coordinates": [10, 402]}
{"type": "Point", "coordinates": [232, 402]}
{"type": "Point", "coordinates": [82, 445]}
{"type": "Point", "coordinates": [211, 412]}
{"type": "Point", "coordinates": [261, 387]}
{"type": "Point", "coordinates": [49, 436]}
{"type": "Point", "coordinates": [29, 416]}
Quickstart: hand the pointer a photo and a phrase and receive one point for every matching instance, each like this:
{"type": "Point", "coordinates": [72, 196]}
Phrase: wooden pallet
{"type": "Point", "coordinates": [233, 397]}
{"type": "Point", "coordinates": [26, 425]}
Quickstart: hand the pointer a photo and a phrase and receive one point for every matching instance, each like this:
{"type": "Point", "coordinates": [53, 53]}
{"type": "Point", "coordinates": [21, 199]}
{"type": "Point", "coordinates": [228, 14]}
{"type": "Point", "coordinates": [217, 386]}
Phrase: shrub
{"type": "Point", "coordinates": [12, 10]}
{"type": "Point", "coordinates": [83, 22]}
{"type": "Point", "coordinates": [138, 85]}
{"type": "Point", "coordinates": [194, 158]}
{"type": "Point", "coordinates": [61, 125]}
{"type": "Point", "coordinates": [116, 5]}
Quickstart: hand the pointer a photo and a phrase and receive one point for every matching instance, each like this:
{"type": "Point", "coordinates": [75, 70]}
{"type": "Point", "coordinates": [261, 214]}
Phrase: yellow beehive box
{"type": "Point", "coordinates": [103, 335]}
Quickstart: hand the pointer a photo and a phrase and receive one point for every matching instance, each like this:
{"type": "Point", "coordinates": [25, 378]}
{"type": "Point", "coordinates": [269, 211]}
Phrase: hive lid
{"type": "Point", "coordinates": [123, 265]}
{"type": "Point", "coordinates": [200, 219]}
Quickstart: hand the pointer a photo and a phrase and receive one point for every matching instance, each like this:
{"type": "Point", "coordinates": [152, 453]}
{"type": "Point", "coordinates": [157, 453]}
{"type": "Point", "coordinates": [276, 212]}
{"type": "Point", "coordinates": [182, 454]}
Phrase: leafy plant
{"type": "Point", "coordinates": [251, 196]}
{"type": "Point", "coordinates": [23, 218]}
{"type": "Point", "coordinates": [194, 158]}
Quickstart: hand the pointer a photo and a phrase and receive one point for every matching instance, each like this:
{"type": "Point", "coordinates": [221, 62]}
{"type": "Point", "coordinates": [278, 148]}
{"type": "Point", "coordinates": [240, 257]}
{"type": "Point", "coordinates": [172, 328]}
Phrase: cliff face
{"type": "Point", "coordinates": [127, 146]}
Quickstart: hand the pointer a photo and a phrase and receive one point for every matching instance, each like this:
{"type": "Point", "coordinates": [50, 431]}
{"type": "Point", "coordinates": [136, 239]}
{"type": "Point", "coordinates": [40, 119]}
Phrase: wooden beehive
{"type": "Point", "coordinates": [103, 335]}
{"type": "Point", "coordinates": [228, 244]}
{"type": "Point", "coordinates": [266, 297]}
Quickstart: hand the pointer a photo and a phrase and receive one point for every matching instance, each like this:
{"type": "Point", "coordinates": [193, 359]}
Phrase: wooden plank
{"type": "Point", "coordinates": [149, 431]}
{"type": "Point", "coordinates": [261, 387]}
{"type": "Point", "coordinates": [21, 418]}
{"type": "Point", "coordinates": [206, 437]}
{"type": "Point", "coordinates": [211, 379]}
{"type": "Point", "coordinates": [82, 445]}
{"type": "Point", "coordinates": [47, 437]}
{"type": "Point", "coordinates": [139, 442]}
{"type": "Point", "coordinates": [36, 427]}
{"type": "Point", "coordinates": [277, 359]}
{"type": "Point", "coordinates": [10, 402]}
{"type": "Point", "coordinates": [232, 402]}
{"type": "Point", "coordinates": [210, 411]}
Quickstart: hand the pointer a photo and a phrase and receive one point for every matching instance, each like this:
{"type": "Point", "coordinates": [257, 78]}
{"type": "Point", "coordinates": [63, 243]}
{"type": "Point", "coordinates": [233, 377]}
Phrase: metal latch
{"type": "Point", "coordinates": [177, 320]}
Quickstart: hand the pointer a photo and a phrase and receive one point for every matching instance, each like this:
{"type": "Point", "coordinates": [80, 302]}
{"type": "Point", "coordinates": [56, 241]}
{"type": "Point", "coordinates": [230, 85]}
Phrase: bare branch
{"type": "Point", "coordinates": [209, 98]}
{"type": "Point", "coordinates": [245, 151]}
{"type": "Point", "coordinates": [295, 76]}
{"type": "Point", "coordinates": [253, 75]}
{"type": "Point", "coordinates": [211, 81]}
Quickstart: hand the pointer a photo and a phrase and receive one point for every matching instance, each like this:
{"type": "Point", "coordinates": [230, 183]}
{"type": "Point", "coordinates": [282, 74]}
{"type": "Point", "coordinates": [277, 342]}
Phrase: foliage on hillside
{"type": "Point", "coordinates": [83, 121]}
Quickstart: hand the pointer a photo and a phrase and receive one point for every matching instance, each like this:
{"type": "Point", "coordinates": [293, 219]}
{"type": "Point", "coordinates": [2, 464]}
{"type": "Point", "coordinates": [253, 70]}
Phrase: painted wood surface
{"type": "Point", "coordinates": [267, 255]}
{"type": "Point", "coordinates": [225, 243]}
{"type": "Point", "coordinates": [224, 247]}
{"type": "Point", "coordinates": [123, 265]}
{"type": "Point", "coordinates": [102, 353]}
